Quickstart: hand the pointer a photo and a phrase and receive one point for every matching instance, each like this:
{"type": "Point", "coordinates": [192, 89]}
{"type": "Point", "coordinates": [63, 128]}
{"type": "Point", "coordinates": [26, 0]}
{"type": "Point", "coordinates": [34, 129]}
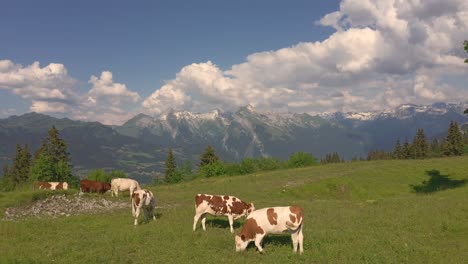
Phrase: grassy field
{"type": "Point", "coordinates": [362, 212]}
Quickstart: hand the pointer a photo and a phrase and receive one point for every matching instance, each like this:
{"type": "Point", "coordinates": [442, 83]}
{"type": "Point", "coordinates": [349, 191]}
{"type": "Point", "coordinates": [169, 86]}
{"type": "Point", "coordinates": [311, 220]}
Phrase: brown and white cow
{"type": "Point", "coordinates": [94, 186]}
{"type": "Point", "coordinates": [51, 185]}
{"type": "Point", "coordinates": [218, 205]}
{"type": "Point", "coordinates": [143, 200]}
{"type": "Point", "coordinates": [274, 220]}
{"type": "Point", "coordinates": [123, 184]}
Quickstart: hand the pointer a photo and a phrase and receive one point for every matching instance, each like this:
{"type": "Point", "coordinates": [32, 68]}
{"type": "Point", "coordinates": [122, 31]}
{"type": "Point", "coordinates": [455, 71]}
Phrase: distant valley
{"type": "Point", "coordinates": [139, 146]}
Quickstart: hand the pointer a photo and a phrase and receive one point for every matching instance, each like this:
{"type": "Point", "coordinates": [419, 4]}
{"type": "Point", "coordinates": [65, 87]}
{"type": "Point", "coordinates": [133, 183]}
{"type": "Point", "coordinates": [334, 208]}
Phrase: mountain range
{"type": "Point", "coordinates": [139, 146]}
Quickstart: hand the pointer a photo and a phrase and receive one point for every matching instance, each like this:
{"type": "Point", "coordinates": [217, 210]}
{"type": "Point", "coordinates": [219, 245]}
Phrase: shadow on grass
{"type": "Point", "coordinates": [221, 223]}
{"type": "Point", "coordinates": [437, 182]}
{"type": "Point", "coordinates": [271, 241]}
{"type": "Point", "coordinates": [158, 215]}
{"type": "Point", "coordinates": [284, 239]}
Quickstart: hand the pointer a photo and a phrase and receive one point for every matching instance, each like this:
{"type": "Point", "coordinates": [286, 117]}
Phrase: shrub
{"type": "Point", "coordinates": [213, 170]}
{"type": "Point", "coordinates": [301, 159]}
{"type": "Point", "coordinates": [101, 175]}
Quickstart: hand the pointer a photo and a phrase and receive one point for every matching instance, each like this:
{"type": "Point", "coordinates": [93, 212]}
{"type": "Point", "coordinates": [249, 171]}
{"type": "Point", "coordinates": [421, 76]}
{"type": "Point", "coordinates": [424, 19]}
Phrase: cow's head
{"type": "Point", "coordinates": [65, 186]}
{"type": "Point", "coordinates": [241, 243]}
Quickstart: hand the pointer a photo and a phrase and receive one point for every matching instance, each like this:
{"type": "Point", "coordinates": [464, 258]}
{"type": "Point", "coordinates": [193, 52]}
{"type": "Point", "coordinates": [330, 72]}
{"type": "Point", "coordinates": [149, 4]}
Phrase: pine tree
{"type": "Point", "coordinates": [435, 147]}
{"type": "Point", "coordinates": [25, 164]}
{"type": "Point", "coordinates": [398, 151]}
{"type": "Point", "coordinates": [420, 146]}
{"type": "Point", "coordinates": [208, 157]}
{"type": "Point", "coordinates": [406, 150]}
{"type": "Point", "coordinates": [56, 147]}
{"type": "Point", "coordinates": [444, 149]}
{"type": "Point", "coordinates": [6, 183]}
{"type": "Point", "coordinates": [170, 170]}
{"type": "Point", "coordinates": [16, 167]}
{"type": "Point", "coordinates": [43, 169]}
{"type": "Point", "coordinates": [454, 140]}
{"type": "Point", "coordinates": [52, 160]}
{"type": "Point", "coordinates": [41, 150]}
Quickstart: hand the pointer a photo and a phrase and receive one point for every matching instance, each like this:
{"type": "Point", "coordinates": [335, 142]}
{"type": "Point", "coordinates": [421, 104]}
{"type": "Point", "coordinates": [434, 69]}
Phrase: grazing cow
{"type": "Point", "coordinates": [123, 184]}
{"type": "Point", "coordinates": [218, 205]}
{"type": "Point", "coordinates": [94, 186]}
{"type": "Point", "coordinates": [143, 199]}
{"type": "Point", "coordinates": [51, 185]}
{"type": "Point", "coordinates": [274, 220]}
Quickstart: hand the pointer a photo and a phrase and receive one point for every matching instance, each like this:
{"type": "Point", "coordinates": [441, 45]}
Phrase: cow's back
{"type": "Point", "coordinates": [275, 220]}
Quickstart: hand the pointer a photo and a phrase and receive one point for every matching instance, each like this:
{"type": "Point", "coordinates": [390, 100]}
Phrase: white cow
{"type": "Point", "coordinates": [51, 185]}
{"type": "Point", "coordinates": [123, 184]}
{"type": "Point", "coordinates": [143, 199]}
{"type": "Point", "coordinates": [274, 220]}
{"type": "Point", "coordinates": [217, 205]}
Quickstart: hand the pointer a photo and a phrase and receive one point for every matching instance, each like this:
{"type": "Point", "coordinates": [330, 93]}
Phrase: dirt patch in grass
{"type": "Point", "coordinates": [61, 205]}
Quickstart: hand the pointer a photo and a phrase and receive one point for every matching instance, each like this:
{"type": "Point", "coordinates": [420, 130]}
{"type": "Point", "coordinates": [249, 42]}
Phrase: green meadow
{"type": "Point", "coordinates": [399, 211]}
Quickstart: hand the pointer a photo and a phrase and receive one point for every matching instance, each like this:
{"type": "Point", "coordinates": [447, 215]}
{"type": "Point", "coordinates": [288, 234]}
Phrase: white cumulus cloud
{"type": "Point", "coordinates": [383, 53]}
{"type": "Point", "coordinates": [50, 89]}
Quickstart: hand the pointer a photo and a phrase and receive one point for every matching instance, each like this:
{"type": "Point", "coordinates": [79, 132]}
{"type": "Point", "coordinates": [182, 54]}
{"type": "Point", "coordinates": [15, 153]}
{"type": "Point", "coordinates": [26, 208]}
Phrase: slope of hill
{"type": "Point", "coordinates": [354, 213]}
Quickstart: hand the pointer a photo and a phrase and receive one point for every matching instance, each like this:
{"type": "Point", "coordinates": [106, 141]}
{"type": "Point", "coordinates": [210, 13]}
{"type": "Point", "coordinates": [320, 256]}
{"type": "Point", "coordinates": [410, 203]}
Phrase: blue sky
{"type": "Point", "coordinates": [300, 56]}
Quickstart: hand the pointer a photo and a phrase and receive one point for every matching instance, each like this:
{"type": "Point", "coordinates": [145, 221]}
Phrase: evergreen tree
{"type": "Point", "coordinates": [170, 169]}
{"type": "Point", "coordinates": [332, 158]}
{"type": "Point", "coordinates": [465, 44]}
{"type": "Point", "coordinates": [420, 146]}
{"type": "Point", "coordinates": [52, 160]}
{"type": "Point", "coordinates": [63, 171]}
{"type": "Point", "coordinates": [43, 169]}
{"type": "Point", "coordinates": [444, 149]}
{"type": "Point", "coordinates": [398, 151]}
{"type": "Point", "coordinates": [56, 147]}
{"type": "Point", "coordinates": [208, 157]}
{"type": "Point", "coordinates": [406, 150]}
{"type": "Point", "coordinates": [16, 167]}
{"type": "Point", "coordinates": [25, 164]}
{"type": "Point", "coordinates": [435, 147]}
{"type": "Point", "coordinates": [41, 150]}
{"type": "Point", "coordinates": [6, 183]}
{"type": "Point", "coordinates": [454, 140]}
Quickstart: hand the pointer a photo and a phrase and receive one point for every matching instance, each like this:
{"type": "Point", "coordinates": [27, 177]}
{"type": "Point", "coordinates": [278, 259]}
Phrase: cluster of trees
{"type": "Point", "coordinates": [451, 145]}
{"type": "Point", "coordinates": [51, 162]}
{"type": "Point", "coordinates": [103, 176]}
{"type": "Point", "coordinates": [332, 158]}
{"type": "Point", "coordinates": [211, 165]}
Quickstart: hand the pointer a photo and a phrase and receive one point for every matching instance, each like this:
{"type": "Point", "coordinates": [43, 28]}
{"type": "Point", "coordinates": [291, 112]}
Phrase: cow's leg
{"type": "Point", "coordinates": [258, 242]}
{"type": "Point", "coordinates": [203, 221]}
{"type": "Point", "coordinates": [295, 241]}
{"type": "Point", "coordinates": [231, 221]}
{"type": "Point", "coordinates": [137, 214]}
{"type": "Point", "coordinates": [152, 212]}
{"type": "Point", "coordinates": [300, 239]}
{"type": "Point", "coordinates": [195, 220]}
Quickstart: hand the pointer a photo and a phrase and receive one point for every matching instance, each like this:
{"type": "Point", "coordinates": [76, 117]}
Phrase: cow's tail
{"type": "Point", "coordinates": [295, 226]}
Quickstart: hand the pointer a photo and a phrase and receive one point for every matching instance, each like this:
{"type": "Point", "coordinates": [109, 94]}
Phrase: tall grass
{"type": "Point", "coordinates": [361, 212]}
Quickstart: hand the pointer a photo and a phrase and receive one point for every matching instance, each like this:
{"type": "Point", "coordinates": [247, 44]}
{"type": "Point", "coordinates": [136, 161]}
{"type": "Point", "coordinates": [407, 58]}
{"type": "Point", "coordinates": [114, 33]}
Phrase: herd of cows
{"type": "Point", "coordinates": [260, 222]}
